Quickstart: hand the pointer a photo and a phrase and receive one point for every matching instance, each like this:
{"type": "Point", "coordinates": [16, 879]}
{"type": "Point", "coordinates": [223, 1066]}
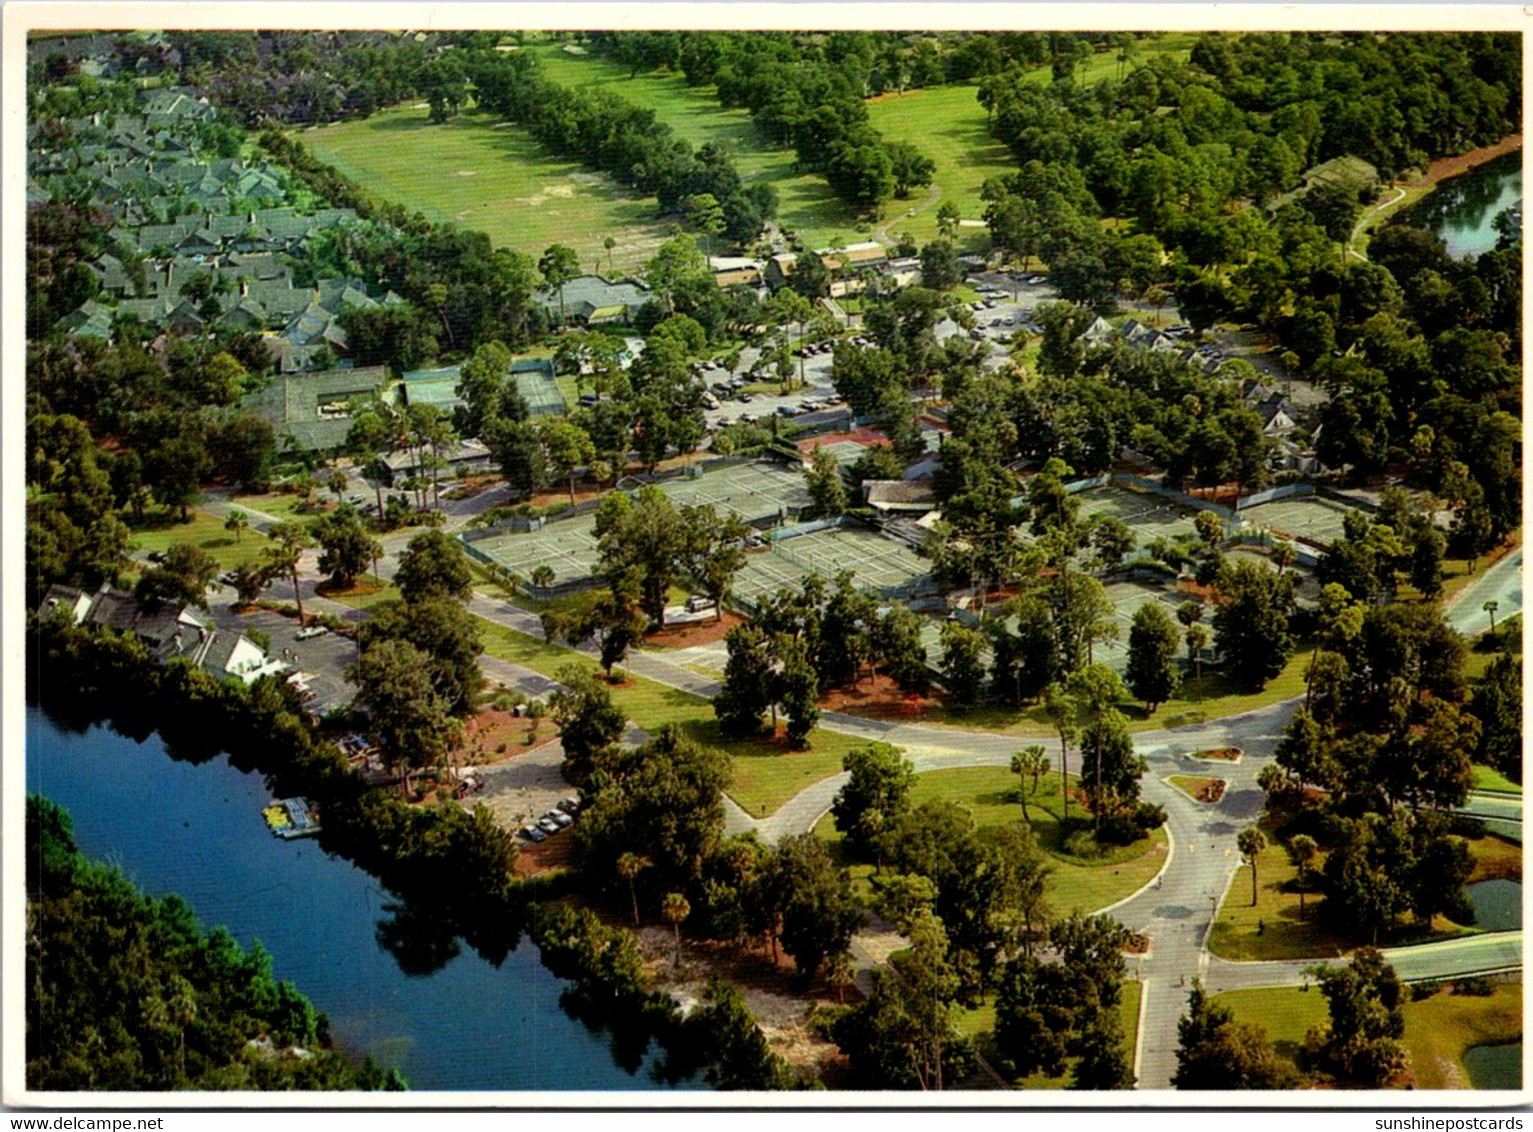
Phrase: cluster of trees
{"type": "Point", "coordinates": [800, 643]}
{"type": "Point", "coordinates": [1385, 734]}
{"type": "Point", "coordinates": [129, 993]}
{"type": "Point", "coordinates": [417, 668]}
{"type": "Point", "coordinates": [1361, 1044]}
{"type": "Point", "coordinates": [806, 91]}
{"type": "Point", "coordinates": [627, 141]}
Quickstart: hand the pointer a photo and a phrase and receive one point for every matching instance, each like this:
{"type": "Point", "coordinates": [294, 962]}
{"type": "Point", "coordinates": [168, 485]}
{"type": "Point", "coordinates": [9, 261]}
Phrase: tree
{"type": "Point", "coordinates": [798, 689]}
{"type": "Point", "coordinates": [644, 537]}
{"type": "Point", "coordinates": [746, 692]}
{"type": "Point", "coordinates": [1110, 771]}
{"type": "Point", "coordinates": [609, 242]}
{"type": "Point", "coordinates": [675, 909]}
{"type": "Point", "coordinates": [1060, 707]}
{"type": "Point", "coordinates": [1366, 1024]}
{"type": "Point", "coordinates": [876, 792]}
{"type": "Point", "coordinates": [1252, 624]}
{"type": "Point", "coordinates": [411, 719]}
{"type": "Point", "coordinates": [827, 488]}
{"type": "Point", "coordinates": [738, 1054]}
{"type": "Point", "coordinates": [1251, 842]}
{"type": "Point", "coordinates": [184, 576]}
{"type": "Point", "coordinates": [248, 582]}
{"type": "Point", "coordinates": [940, 269]}
{"type": "Point", "coordinates": [589, 723]}
{"type": "Point", "coordinates": [963, 668]}
{"type": "Point", "coordinates": [568, 449]}
{"type": "Point", "coordinates": [713, 551]}
{"type": "Point", "coordinates": [433, 564]}
{"type": "Point", "coordinates": [1197, 641]}
{"type": "Point", "coordinates": [820, 912]}
{"type": "Point", "coordinates": [175, 470]}
{"type": "Point", "coordinates": [1152, 655]}
{"type": "Point", "coordinates": [289, 541]}
{"type": "Point", "coordinates": [558, 265]}
{"type": "Point", "coordinates": [1497, 704]}
{"type": "Point", "coordinates": [1302, 849]}
{"type": "Point", "coordinates": [237, 522]}
{"type": "Point", "coordinates": [1216, 1052]}
{"type": "Point", "coordinates": [629, 866]}
{"type": "Point", "coordinates": [444, 632]}
{"type": "Point", "coordinates": [1030, 762]}
{"type": "Point", "coordinates": [345, 548]}
{"type": "Point", "coordinates": [948, 218]}
{"type": "Point", "coordinates": [897, 643]}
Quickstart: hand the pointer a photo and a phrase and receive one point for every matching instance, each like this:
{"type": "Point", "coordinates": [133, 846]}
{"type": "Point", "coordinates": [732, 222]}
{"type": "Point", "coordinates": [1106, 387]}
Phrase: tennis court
{"type": "Point", "coordinates": [1151, 516]}
{"type": "Point", "coordinates": [1310, 518]}
{"type": "Point", "coordinates": [765, 573]}
{"type": "Point", "coordinates": [882, 565]}
{"type": "Point", "coordinates": [750, 491]}
{"type": "Point", "coordinates": [568, 546]}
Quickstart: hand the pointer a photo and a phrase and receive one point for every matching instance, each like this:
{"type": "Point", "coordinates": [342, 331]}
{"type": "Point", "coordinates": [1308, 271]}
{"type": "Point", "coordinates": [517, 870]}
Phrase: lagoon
{"type": "Point", "coordinates": [196, 830]}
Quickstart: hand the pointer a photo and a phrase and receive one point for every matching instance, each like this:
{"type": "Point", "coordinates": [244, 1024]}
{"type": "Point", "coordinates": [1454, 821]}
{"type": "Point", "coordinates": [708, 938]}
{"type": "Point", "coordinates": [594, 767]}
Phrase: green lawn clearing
{"type": "Point", "coordinates": [365, 594]}
{"type": "Point", "coordinates": [1489, 778]}
{"type": "Point", "coordinates": [161, 529]}
{"type": "Point", "coordinates": [1272, 928]}
{"type": "Point", "coordinates": [991, 797]}
{"type": "Point", "coordinates": [1438, 1030]}
{"type": "Point", "coordinates": [493, 177]}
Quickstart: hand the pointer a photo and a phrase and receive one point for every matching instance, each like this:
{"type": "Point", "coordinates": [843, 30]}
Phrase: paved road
{"type": "Point", "coordinates": [1501, 583]}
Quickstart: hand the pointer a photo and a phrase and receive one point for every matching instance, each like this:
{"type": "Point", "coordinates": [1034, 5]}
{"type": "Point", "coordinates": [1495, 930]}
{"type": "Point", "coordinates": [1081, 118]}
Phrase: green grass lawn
{"type": "Point", "coordinates": [805, 202]}
{"type": "Point", "coordinates": [1438, 1030]}
{"type": "Point", "coordinates": [990, 795]}
{"type": "Point", "coordinates": [365, 594]}
{"type": "Point", "coordinates": [492, 177]}
{"type": "Point", "coordinates": [285, 505]}
{"type": "Point", "coordinates": [161, 529]}
{"type": "Point", "coordinates": [948, 125]}
{"type": "Point", "coordinates": [1272, 928]}
{"type": "Point", "coordinates": [765, 774]}
{"type": "Point", "coordinates": [1489, 778]}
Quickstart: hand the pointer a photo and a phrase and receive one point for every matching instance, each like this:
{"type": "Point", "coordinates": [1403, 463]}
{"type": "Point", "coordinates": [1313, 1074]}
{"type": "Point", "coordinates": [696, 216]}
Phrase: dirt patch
{"type": "Point", "coordinates": [688, 634]}
{"type": "Point", "coordinates": [491, 735]}
{"type": "Point", "coordinates": [1445, 167]}
{"type": "Point", "coordinates": [878, 698]}
{"type": "Point", "coordinates": [779, 1007]}
{"type": "Point", "coordinates": [558, 852]}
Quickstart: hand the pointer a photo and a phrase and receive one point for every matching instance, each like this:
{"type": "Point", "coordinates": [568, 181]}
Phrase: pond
{"type": "Point", "coordinates": [1497, 904]}
{"type": "Point", "coordinates": [196, 830]}
{"type": "Point", "coordinates": [1495, 1067]}
{"type": "Point", "coordinates": [1463, 209]}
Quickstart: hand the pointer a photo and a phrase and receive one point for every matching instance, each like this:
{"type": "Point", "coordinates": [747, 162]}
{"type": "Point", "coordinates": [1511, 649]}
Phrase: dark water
{"type": "Point", "coordinates": [1495, 1067]}
{"type": "Point", "coordinates": [1497, 904]}
{"type": "Point", "coordinates": [1463, 209]}
{"type": "Point", "coordinates": [197, 830]}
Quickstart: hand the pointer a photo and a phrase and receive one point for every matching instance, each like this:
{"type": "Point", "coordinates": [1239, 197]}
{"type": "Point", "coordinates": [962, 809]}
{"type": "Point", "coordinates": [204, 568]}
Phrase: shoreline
{"type": "Point", "coordinates": [1446, 167]}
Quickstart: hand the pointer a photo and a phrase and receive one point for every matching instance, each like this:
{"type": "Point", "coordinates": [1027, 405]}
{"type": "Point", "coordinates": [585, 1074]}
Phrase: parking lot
{"type": "Point", "coordinates": [323, 659]}
{"type": "Point", "coordinates": [761, 407]}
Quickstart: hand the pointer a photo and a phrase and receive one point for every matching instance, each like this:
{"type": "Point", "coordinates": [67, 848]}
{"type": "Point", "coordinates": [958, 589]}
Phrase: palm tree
{"type": "Point", "coordinates": [675, 909]}
{"type": "Point", "coordinates": [629, 866]}
{"type": "Point", "coordinates": [1250, 843]}
{"type": "Point", "coordinates": [1283, 555]}
{"type": "Point", "coordinates": [840, 973]}
{"type": "Point", "coordinates": [1029, 761]}
{"type": "Point", "coordinates": [237, 522]}
{"type": "Point", "coordinates": [542, 576]}
{"type": "Point", "coordinates": [1197, 640]}
{"type": "Point", "coordinates": [182, 1012]}
{"type": "Point", "coordinates": [1061, 709]}
{"type": "Point", "coordinates": [1301, 850]}
{"type": "Point", "coordinates": [1491, 607]}
{"type": "Point", "coordinates": [290, 539]}
{"type": "Point", "coordinates": [609, 243]}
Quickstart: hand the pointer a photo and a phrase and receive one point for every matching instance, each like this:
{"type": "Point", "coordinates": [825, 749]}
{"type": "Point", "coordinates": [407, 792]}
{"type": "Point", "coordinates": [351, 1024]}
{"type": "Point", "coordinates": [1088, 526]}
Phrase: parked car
{"type": "Point", "coordinates": [310, 631]}
{"type": "Point", "coordinates": [533, 833]}
{"type": "Point", "coordinates": [570, 805]}
{"type": "Point", "coordinates": [699, 602]}
{"type": "Point", "coordinates": [560, 818]}
{"type": "Point", "coordinates": [548, 825]}
{"type": "Point", "coordinates": [227, 577]}
{"type": "Point", "coordinates": [156, 556]}
{"type": "Point", "coordinates": [747, 398]}
{"type": "Point", "coordinates": [1034, 280]}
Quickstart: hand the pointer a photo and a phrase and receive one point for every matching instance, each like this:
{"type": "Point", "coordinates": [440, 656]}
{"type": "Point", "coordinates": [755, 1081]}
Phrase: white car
{"type": "Point", "coordinates": [310, 631]}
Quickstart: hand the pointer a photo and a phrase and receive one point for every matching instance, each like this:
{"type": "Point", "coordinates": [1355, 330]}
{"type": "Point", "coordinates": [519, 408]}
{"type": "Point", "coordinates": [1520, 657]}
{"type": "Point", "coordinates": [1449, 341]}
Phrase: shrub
{"type": "Point", "coordinates": [1082, 843]}
{"type": "Point", "coordinates": [1477, 987]}
{"type": "Point", "coordinates": [1427, 989]}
